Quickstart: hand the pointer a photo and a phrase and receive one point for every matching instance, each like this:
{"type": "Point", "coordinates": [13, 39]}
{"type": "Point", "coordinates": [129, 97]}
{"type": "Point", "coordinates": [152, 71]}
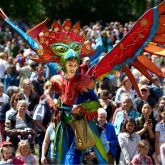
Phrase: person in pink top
{"type": "Point", "coordinates": [24, 153]}
{"type": "Point", "coordinates": [141, 157]}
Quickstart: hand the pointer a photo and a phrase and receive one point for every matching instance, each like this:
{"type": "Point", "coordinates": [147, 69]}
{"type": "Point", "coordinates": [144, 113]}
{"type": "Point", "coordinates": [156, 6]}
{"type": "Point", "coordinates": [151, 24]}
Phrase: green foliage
{"type": "Point", "coordinates": [31, 11]}
{"type": "Point", "coordinates": [34, 11]}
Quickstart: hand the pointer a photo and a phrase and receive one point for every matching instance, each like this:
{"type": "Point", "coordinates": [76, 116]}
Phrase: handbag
{"type": "Point", "coordinates": [84, 137]}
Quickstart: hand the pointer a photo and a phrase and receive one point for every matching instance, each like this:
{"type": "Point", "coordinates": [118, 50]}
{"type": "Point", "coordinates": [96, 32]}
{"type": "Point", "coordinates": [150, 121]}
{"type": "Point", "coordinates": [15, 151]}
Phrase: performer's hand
{"type": "Point", "coordinates": [76, 109]}
{"type": "Point", "coordinates": [90, 156]}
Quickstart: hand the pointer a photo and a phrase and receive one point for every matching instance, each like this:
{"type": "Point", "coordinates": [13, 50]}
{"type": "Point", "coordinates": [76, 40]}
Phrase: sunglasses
{"type": "Point", "coordinates": [17, 99]}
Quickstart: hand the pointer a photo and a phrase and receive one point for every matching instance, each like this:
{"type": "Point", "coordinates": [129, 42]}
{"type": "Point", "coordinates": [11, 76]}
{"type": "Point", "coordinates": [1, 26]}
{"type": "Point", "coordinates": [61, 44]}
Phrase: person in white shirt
{"type": "Point", "coordinates": [3, 66]}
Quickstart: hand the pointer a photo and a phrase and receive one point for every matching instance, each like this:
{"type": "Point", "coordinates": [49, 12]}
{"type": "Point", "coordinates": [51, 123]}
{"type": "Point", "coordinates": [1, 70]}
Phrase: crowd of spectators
{"type": "Point", "coordinates": [134, 126]}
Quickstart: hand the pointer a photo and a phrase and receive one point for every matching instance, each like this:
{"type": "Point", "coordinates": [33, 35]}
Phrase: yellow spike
{"type": "Point", "coordinates": [149, 65]}
{"type": "Point", "coordinates": [154, 49]}
{"type": "Point", "coordinates": [66, 25]}
{"type": "Point", "coordinates": [76, 27]}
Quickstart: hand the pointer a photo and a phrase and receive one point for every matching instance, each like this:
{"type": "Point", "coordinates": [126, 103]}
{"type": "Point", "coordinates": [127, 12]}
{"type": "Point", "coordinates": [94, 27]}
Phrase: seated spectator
{"type": "Point", "coordinates": [124, 112]}
{"type": "Point", "coordinates": [146, 126]}
{"type": "Point", "coordinates": [128, 141]}
{"type": "Point", "coordinates": [141, 157]}
{"type": "Point", "coordinates": [110, 135]}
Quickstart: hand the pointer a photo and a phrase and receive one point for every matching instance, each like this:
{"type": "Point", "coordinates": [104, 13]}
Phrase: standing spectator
{"type": "Point", "coordinates": [160, 108]}
{"type": "Point", "coordinates": [160, 135]}
{"type": "Point", "coordinates": [125, 88]}
{"type": "Point", "coordinates": [5, 107]}
{"type": "Point", "coordinates": [19, 125]}
{"type": "Point", "coordinates": [141, 157]}
{"type": "Point", "coordinates": [29, 94]}
{"type": "Point", "coordinates": [13, 103]}
{"type": "Point", "coordinates": [162, 153]}
{"type": "Point", "coordinates": [107, 104]}
{"type": "Point", "coordinates": [156, 89]}
{"type": "Point", "coordinates": [4, 98]}
{"type": "Point", "coordinates": [110, 135]}
{"type": "Point", "coordinates": [39, 80]}
{"type": "Point", "coordinates": [10, 78]}
{"type": "Point", "coordinates": [3, 65]}
{"type": "Point", "coordinates": [48, 147]}
{"type": "Point", "coordinates": [43, 114]}
{"type": "Point", "coordinates": [139, 102]}
{"type": "Point", "coordinates": [124, 112]}
{"type": "Point", "coordinates": [128, 141]}
{"type": "Point", "coordinates": [146, 126]}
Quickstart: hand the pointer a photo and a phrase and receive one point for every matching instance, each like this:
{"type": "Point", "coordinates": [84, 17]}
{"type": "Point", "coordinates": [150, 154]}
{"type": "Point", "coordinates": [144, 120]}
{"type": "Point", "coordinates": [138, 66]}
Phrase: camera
{"type": "Point", "coordinates": [28, 130]}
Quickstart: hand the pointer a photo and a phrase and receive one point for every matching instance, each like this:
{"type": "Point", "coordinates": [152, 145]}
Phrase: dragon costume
{"type": "Point", "coordinates": [64, 42]}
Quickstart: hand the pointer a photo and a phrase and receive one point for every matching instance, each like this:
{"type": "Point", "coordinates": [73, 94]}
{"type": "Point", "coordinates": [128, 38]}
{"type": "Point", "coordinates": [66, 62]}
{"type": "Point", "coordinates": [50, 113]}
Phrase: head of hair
{"type": "Point", "coordinates": [143, 143]}
{"type": "Point", "coordinates": [16, 94]}
{"type": "Point", "coordinates": [56, 117]}
{"type": "Point", "coordinates": [2, 55]}
{"type": "Point", "coordinates": [20, 144]}
{"type": "Point", "coordinates": [63, 62]}
{"type": "Point", "coordinates": [11, 70]}
{"type": "Point", "coordinates": [11, 90]}
{"type": "Point", "coordinates": [22, 102]}
{"type": "Point", "coordinates": [125, 97]}
{"type": "Point", "coordinates": [102, 111]}
{"type": "Point", "coordinates": [127, 121]}
{"type": "Point", "coordinates": [104, 93]}
{"type": "Point", "coordinates": [33, 93]}
{"type": "Point", "coordinates": [5, 146]}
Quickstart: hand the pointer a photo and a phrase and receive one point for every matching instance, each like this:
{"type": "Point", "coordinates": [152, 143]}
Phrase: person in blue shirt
{"type": "Point", "coordinates": [110, 135]}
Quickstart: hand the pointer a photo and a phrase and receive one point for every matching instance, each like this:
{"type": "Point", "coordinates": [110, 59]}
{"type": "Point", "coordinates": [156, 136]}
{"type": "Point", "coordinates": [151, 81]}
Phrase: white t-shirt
{"type": "Point", "coordinates": [3, 99]}
{"type": "Point", "coordinates": [3, 66]}
{"type": "Point", "coordinates": [160, 127]}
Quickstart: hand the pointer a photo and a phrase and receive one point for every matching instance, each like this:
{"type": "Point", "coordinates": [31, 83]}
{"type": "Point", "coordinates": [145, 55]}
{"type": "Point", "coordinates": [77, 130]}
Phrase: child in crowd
{"type": "Point", "coordinates": [24, 153]}
{"type": "Point", "coordinates": [7, 155]}
{"type": "Point", "coordinates": [128, 141]}
{"type": "Point", "coordinates": [141, 157]}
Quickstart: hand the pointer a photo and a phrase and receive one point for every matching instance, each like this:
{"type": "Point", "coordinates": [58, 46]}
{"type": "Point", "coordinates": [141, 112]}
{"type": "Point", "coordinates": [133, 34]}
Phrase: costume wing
{"type": "Point", "coordinates": [147, 35]}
